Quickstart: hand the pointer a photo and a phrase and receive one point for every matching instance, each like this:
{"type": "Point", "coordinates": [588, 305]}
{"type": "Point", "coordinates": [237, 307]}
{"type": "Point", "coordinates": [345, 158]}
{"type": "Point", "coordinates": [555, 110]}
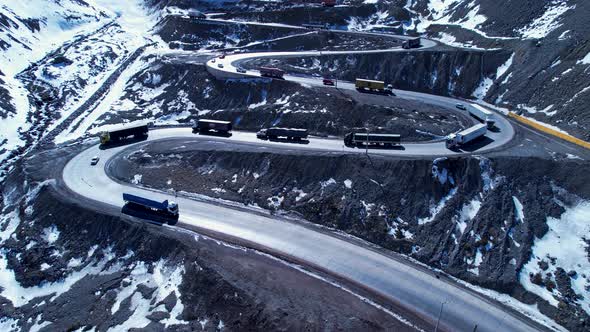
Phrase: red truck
{"type": "Point", "coordinates": [329, 3]}
{"type": "Point", "coordinates": [271, 72]}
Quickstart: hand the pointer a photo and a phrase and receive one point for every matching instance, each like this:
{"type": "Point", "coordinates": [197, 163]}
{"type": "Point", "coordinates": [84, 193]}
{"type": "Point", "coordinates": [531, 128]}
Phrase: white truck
{"type": "Point", "coordinates": [456, 140]}
{"type": "Point", "coordinates": [483, 115]}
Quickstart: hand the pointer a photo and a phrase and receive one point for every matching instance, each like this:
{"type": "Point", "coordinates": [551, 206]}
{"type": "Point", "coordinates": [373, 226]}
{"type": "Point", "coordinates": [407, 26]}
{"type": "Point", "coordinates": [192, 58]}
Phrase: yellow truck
{"type": "Point", "coordinates": [364, 85]}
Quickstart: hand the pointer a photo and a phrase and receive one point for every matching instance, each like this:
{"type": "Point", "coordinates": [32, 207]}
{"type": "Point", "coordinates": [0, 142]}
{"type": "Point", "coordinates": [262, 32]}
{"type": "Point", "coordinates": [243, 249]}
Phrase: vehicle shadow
{"type": "Point", "coordinates": [381, 93]}
{"type": "Point", "coordinates": [494, 129]}
{"type": "Point", "coordinates": [477, 144]}
{"type": "Point", "coordinates": [148, 216]}
{"type": "Point", "coordinates": [213, 133]}
{"type": "Point", "coordinates": [284, 140]}
{"type": "Point", "coordinates": [379, 147]}
{"type": "Point", "coordinates": [111, 145]}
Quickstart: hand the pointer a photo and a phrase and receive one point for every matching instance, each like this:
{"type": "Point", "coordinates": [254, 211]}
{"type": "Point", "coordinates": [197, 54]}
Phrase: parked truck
{"type": "Point", "coordinates": [271, 72]}
{"type": "Point", "coordinates": [411, 43]}
{"type": "Point", "coordinates": [166, 208]}
{"type": "Point", "coordinates": [122, 132]}
{"type": "Point", "coordinates": [365, 85]}
{"type": "Point", "coordinates": [287, 133]}
{"type": "Point", "coordinates": [483, 115]}
{"type": "Point", "coordinates": [209, 126]}
{"type": "Point", "coordinates": [370, 139]}
{"type": "Point", "coordinates": [463, 137]}
{"type": "Point", "coordinates": [329, 3]}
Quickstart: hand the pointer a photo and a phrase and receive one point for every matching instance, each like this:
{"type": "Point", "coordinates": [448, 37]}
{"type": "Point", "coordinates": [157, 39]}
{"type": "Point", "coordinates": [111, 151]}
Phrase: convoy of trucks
{"type": "Point", "coordinates": [411, 43]}
{"type": "Point", "coordinates": [116, 135]}
{"type": "Point", "coordinates": [456, 140]}
{"type": "Point", "coordinates": [271, 72]}
{"type": "Point", "coordinates": [208, 126]}
{"type": "Point", "coordinates": [364, 85]}
{"type": "Point", "coordinates": [166, 208]}
{"type": "Point", "coordinates": [371, 139]}
{"type": "Point", "coordinates": [274, 133]}
{"type": "Point", "coordinates": [483, 115]}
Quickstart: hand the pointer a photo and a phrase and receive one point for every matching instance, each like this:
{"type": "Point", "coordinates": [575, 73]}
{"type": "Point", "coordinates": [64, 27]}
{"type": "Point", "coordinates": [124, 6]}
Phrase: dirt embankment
{"type": "Point", "coordinates": [456, 214]}
{"type": "Point", "coordinates": [111, 272]}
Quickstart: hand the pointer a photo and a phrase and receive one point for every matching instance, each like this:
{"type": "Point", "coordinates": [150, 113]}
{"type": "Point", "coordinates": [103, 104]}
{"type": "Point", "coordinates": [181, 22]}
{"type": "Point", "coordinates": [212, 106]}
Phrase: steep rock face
{"type": "Point", "coordinates": [476, 218]}
{"type": "Point", "coordinates": [179, 92]}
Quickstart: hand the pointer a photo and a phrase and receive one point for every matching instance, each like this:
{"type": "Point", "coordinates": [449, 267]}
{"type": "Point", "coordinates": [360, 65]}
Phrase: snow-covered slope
{"type": "Point", "coordinates": [55, 54]}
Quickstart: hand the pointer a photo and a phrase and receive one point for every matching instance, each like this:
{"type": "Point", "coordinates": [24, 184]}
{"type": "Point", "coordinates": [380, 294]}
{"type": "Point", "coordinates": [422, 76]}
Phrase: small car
{"type": "Point", "coordinates": [328, 81]}
{"type": "Point", "coordinates": [461, 106]}
{"type": "Point", "coordinates": [94, 160]}
{"type": "Point", "coordinates": [220, 65]}
{"type": "Point", "coordinates": [222, 56]}
{"type": "Point", "coordinates": [241, 70]}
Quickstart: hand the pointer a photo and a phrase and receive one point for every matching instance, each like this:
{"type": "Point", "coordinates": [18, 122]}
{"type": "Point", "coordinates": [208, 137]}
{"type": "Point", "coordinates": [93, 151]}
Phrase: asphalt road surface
{"type": "Point", "coordinates": [404, 284]}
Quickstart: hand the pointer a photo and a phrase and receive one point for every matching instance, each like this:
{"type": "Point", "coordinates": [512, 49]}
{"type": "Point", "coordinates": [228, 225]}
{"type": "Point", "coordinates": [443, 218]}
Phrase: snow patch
{"type": "Point", "coordinates": [566, 242]}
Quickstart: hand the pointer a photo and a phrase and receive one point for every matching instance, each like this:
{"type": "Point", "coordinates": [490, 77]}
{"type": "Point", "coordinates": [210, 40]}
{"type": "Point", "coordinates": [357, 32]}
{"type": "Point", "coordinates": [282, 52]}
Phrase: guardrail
{"type": "Point", "coordinates": [549, 131]}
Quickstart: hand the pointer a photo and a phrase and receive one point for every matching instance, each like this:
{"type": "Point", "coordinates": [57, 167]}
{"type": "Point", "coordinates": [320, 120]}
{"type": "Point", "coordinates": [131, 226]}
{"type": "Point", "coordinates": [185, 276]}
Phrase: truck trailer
{"type": "Point", "coordinates": [411, 43]}
{"type": "Point", "coordinates": [208, 126]}
{"type": "Point", "coordinates": [271, 72]}
{"type": "Point", "coordinates": [287, 133]}
{"type": "Point", "coordinates": [365, 85]}
{"type": "Point", "coordinates": [482, 114]}
{"type": "Point", "coordinates": [138, 131]}
{"type": "Point", "coordinates": [463, 137]}
{"type": "Point", "coordinates": [166, 208]}
{"type": "Point", "coordinates": [370, 139]}
{"type": "Point", "coordinates": [329, 3]}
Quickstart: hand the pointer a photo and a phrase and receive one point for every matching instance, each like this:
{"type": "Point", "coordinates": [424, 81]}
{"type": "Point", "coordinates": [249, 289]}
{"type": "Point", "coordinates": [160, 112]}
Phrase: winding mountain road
{"type": "Point", "coordinates": [404, 284]}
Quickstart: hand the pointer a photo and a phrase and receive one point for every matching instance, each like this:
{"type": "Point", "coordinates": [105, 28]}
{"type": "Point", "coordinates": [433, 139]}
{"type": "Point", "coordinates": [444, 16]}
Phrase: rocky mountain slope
{"type": "Point", "coordinates": [546, 77]}
{"type": "Point", "coordinates": [65, 267]}
{"type": "Point", "coordinates": [481, 220]}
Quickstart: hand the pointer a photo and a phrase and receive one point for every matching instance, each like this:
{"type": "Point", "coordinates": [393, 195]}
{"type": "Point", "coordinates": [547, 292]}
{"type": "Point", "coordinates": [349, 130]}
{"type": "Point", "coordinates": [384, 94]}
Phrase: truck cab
{"type": "Point", "coordinates": [173, 208]}
{"type": "Point", "coordinates": [452, 141]}
{"type": "Point", "coordinates": [262, 134]}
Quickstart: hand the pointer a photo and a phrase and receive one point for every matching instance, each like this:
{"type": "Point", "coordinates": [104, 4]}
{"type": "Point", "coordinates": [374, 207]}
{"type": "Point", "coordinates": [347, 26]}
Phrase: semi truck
{"type": "Point", "coordinates": [365, 85]}
{"type": "Point", "coordinates": [288, 133]}
{"type": "Point", "coordinates": [463, 137]}
{"type": "Point", "coordinates": [483, 115]}
{"type": "Point", "coordinates": [316, 26]}
{"type": "Point", "coordinates": [208, 126]}
{"type": "Point", "coordinates": [371, 139]}
{"type": "Point", "coordinates": [411, 43]}
{"type": "Point", "coordinates": [271, 72]}
{"type": "Point", "coordinates": [138, 131]}
{"type": "Point", "coordinates": [166, 208]}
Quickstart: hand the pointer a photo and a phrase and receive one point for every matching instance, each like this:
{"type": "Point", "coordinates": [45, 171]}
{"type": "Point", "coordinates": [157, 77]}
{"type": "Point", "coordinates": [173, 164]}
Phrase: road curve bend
{"type": "Point", "coordinates": [226, 68]}
{"type": "Point", "coordinates": [398, 281]}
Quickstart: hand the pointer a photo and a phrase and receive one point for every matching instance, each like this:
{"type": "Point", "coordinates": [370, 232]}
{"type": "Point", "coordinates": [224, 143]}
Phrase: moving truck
{"type": "Point", "coordinates": [465, 136]}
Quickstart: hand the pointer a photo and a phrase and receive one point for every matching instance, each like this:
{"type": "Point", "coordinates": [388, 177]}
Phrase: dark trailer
{"type": "Point", "coordinates": [288, 133]}
{"type": "Point", "coordinates": [208, 126]}
{"type": "Point", "coordinates": [138, 131]}
{"type": "Point", "coordinates": [363, 139]}
{"type": "Point", "coordinates": [165, 208]}
{"type": "Point", "coordinates": [271, 72]}
{"type": "Point", "coordinates": [411, 43]}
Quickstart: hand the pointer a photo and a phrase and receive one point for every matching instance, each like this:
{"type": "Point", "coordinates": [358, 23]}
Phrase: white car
{"type": "Point", "coordinates": [94, 160]}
